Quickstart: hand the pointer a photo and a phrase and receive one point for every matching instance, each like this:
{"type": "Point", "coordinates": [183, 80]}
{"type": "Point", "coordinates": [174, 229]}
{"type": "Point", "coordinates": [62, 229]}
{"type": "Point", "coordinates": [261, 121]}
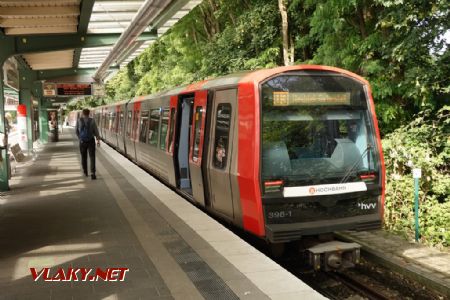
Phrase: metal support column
{"type": "Point", "coordinates": [27, 78]}
{"type": "Point", "coordinates": [43, 121]}
{"type": "Point", "coordinates": [4, 157]}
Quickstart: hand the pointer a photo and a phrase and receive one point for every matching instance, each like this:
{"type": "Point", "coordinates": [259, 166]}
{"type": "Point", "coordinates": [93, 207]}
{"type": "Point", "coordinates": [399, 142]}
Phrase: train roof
{"type": "Point", "coordinates": [253, 76]}
{"type": "Point", "coordinates": [165, 93]}
{"type": "Point", "coordinates": [227, 80]}
{"type": "Point", "coordinates": [263, 74]}
{"type": "Point", "coordinates": [257, 76]}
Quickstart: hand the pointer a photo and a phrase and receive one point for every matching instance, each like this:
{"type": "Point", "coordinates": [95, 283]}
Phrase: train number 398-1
{"type": "Point", "coordinates": [280, 214]}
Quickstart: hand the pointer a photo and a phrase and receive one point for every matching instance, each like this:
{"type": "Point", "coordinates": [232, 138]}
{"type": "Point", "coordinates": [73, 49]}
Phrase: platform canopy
{"type": "Point", "coordinates": [94, 35]}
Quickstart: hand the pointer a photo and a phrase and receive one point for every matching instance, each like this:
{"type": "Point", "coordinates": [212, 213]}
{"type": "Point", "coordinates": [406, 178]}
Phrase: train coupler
{"type": "Point", "coordinates": [334, 255]}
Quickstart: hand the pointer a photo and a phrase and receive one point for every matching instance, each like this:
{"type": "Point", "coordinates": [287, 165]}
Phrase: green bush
{"type": "Point", "coordinates": [424, 143]}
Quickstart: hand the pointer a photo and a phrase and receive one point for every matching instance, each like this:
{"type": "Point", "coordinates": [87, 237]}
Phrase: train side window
{"type": "Point", "coordinates": [114, 123]}
{"type": "Point", "coordinates": [143, 127]}
{"type": "Point", "coordinates": [111, 121]}
{"type": "Point", "coordinates": [172, 128]}
{"type": "Point", "coordinates": [129, 123]}
{"type": "Point", "coordinates": [135, 123]}
{"type": "Point", "coordinates": [120, 125]}
{"type": "Point", "coordinates": [164, 127]}
{"type": "Point", "coordinates": [153, 130]}
{"type": "Point", "coordinates": [105, 121]}
{"type": "Point", "coordinates": [197, 132]}
{"type": "Point", "coordinates": [221, 135]}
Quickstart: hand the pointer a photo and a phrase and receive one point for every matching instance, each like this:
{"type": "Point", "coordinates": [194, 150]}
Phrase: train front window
{"type": "Point", "coordinates": [315, 130]}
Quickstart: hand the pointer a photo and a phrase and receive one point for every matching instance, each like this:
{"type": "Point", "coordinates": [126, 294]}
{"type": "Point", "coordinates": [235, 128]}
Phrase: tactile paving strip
{"type": "Point", "coordinates": [209, 284]}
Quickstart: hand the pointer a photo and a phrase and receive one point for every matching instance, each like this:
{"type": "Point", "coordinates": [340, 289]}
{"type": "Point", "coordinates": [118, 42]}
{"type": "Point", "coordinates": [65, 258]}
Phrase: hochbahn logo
{"type": "Point", "coordinates": [79, 274]}
{"type": "Point", "coordinates": [326, 189]}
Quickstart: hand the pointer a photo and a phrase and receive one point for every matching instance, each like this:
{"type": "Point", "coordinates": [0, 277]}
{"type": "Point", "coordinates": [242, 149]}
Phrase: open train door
{"type": "Point", "coordinates": [196, 146]}
{"type": "Point", "coordinates": [181, 147]}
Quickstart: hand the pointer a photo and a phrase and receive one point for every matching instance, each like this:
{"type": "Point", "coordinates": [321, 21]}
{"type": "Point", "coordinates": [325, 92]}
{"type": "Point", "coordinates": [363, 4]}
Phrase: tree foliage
{"type": "Point", "coordinates": [394, 44]}
{"type": "Point", "coordinates": [426, 145]}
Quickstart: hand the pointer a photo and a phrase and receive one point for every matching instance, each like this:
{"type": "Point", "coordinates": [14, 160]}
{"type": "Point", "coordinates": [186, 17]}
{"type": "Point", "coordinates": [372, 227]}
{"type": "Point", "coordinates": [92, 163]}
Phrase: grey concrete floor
{"type": "Point", "coordinates": [55, 217]}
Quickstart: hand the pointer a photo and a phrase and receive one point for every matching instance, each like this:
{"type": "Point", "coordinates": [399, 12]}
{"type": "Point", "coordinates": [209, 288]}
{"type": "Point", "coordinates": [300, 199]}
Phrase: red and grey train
{"type": "Point", "coordinates": [282, 153]}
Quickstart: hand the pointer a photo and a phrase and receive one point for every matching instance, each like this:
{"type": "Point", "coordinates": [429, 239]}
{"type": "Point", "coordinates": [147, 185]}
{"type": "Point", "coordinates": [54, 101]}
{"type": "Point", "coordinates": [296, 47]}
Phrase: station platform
{"type": "Point", "coordinates": [55, 217]}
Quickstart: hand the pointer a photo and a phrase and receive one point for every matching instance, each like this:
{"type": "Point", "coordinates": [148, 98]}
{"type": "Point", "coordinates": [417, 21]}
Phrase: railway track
{"type": "Point", "coordinates": [360, 288]}
{"type": "Point", "coordinates": [365, 281]}
{"type": "Point", "coordinates": [337, 285]}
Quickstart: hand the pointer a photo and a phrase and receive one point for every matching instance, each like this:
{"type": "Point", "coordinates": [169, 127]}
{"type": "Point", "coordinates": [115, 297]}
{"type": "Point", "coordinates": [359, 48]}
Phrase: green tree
{"type": "Point", "coordinates": [395, 44]}
{"type": "Point", "coordinates": [425, 143]}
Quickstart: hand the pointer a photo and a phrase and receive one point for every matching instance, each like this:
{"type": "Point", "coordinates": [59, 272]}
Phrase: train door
{"type": "Point", "coordinates": [105, 116]}
{"type": "Point", "coordinates": [171, 138]}
{"type": "Point", "coordinates": [108, 131]}
{"type": "Point", "coordinates": [112, 133]}
{"type": "Point", "coordinates": [121, 127]}
{"type": "Point", "coordinates": [128, 122]}
{"type": "Point", "coordinates": [98, 114]}
{"type": "Point", "coordinates": [116, 126]}
{"type": "Point", "coordinates": [182, 144]}
{"type": "Point", "coordinates": [102, 124]}
{"type": "Point", "coordinates": [135, 128]}
{"type": "Point", "coordinates": [196, 146]}
{"type": "Point", "coordinates": [220, 148]}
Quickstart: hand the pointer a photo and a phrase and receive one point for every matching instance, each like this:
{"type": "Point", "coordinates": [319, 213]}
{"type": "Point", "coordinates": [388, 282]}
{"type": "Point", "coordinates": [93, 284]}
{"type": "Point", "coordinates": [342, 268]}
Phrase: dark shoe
{"type": "Point", "coordinates": [85, 173]}
{"type": "Point", "coordinates": [93, 177]}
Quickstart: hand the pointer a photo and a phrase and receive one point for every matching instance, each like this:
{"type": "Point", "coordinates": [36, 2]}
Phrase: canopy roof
{"type": "Point", "coordinates": [108, 19]}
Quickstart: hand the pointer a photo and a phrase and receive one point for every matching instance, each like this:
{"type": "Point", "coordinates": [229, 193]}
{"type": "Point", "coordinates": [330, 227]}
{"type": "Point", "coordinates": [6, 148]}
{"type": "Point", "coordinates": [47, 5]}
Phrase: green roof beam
{"type": "Point", "coordinates": [85, 16]}
{"type": "Point", "coordinates": [31, 44]}
{"type": "Point", "coordinates": [53, 74]}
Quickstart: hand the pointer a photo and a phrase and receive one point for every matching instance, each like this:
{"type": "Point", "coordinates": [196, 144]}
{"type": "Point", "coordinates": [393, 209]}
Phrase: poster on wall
{"type": "Point", "coordinates": [49, 89]}
{"type": "Point", "coordinates": [22, 126]}
{"type": "Point", "coordinates": [53, 125]}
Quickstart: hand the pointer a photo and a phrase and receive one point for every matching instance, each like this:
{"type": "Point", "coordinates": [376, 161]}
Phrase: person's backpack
{"type": "Point", "coordinates": [85, 132]}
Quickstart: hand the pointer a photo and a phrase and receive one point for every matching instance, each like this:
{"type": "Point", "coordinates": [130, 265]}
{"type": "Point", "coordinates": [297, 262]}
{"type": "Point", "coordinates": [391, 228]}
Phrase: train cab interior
{"type": "Point", "coordinates": [333, 143]}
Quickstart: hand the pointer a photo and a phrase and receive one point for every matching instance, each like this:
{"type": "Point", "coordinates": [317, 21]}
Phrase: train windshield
{"type": "Point", "coordinates": [316, 129]}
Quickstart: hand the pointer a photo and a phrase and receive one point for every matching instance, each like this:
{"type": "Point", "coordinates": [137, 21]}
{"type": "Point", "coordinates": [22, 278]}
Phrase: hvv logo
{"type": "Point", "coordinates": [367, 206]}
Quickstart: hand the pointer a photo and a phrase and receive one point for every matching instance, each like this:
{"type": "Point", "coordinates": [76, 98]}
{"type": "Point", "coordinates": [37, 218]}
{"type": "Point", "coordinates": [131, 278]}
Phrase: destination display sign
{"type": "Point", "coordinates": [74, 89]}
{"type": "Point", "coordinates": [310, 98]}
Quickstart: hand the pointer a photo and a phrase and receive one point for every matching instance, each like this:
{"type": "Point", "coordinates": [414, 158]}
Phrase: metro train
{"type": "Point", "coordinates": [282, 153]}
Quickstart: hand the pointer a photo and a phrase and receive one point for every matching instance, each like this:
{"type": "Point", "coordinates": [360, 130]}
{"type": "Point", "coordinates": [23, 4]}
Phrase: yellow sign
{"type": "Point", "coordinates": [311, 98]}
{"type": "Point", "coordinates": [280, 98]}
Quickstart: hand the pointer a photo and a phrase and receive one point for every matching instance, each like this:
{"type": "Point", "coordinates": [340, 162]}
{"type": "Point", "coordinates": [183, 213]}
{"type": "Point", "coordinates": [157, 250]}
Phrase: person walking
{"type": "Point", "coordinates": [87, 132]}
